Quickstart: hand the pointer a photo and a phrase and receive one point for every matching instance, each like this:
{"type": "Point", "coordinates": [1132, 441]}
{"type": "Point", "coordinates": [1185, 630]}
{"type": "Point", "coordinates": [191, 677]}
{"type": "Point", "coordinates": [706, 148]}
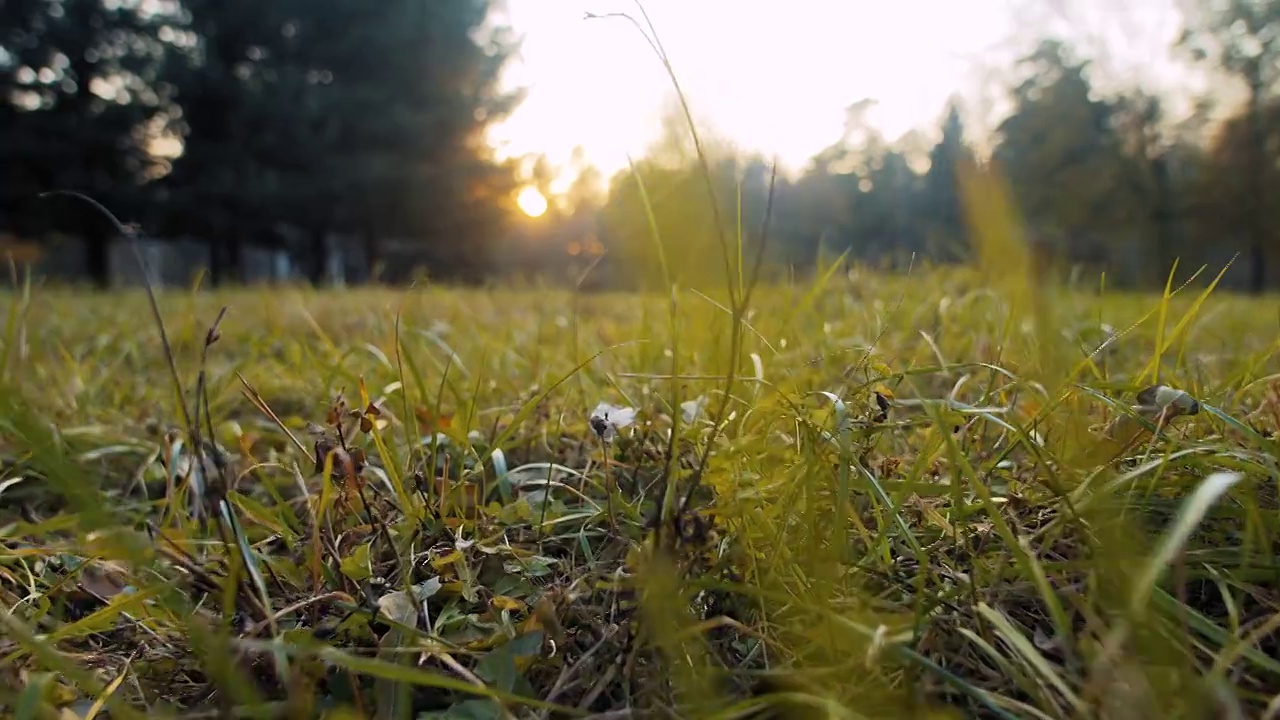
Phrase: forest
{"type": "Point", "coordinates": [287, 124]}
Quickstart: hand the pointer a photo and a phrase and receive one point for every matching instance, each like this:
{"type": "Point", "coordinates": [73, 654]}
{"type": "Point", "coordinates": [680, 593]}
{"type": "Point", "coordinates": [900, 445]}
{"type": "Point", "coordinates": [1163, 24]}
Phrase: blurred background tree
{"type": "Point", "coordinates": [699, 239]}
{"type": "Point", "coordinates": [1242, 38]}
{"type": "Point", "coordinates": [341, 116]}
{"type": "Point", "coordinates": [294, 119]}
{"type": "Point", "coordinates": [79, 89]}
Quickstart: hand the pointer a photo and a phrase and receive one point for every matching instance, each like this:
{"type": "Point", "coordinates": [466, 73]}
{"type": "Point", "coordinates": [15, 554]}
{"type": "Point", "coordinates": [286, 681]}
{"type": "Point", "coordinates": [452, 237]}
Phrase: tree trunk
{"type": "Point", "coordinates": [215, 262]}
{"type": "Point", "coordinates": [372, 255]}
{"type": "Point", "coordinates": [234, 269]}
{"type": "Point", "coordinates": [1163, 218]}
{"type": "Point", "coordinates": [224, 261]}
{"type": "Point", "coordinates": [1257, 266]}
{"type": "Point", "coordinates": [319, 257]}
{"type": "Point", "coordinates": [98, 256]}
{"type": "Point", "coordinates": [1256, 202]}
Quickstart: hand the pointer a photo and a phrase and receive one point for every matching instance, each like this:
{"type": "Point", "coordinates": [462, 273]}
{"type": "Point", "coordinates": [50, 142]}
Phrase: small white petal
{"type": "Point", "coordinates": [691, 410]}
{"type": "Point", "coordinates": [602, 410]}
{"type": "Point", "coordinates": [607, 419]}
{"type": "Point", "coordinates": [622, 417]}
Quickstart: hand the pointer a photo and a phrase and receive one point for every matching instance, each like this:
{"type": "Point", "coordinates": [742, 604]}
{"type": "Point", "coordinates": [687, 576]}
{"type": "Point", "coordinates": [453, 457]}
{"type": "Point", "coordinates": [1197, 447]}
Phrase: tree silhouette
{"type": "Point", "coordinates": [1242, 37]}
{"type": "Point", "coordinates": [78, 79]}
{"type": "Point", "coordinates": [344, 116]}
{"type": "Point", "coordinates": [940, 204]}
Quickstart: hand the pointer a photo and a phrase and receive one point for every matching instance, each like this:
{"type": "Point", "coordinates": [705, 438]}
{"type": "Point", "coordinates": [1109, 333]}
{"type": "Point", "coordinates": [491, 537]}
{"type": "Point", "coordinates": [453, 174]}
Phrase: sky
{"type": "Point", "coordinates": [776, 75]}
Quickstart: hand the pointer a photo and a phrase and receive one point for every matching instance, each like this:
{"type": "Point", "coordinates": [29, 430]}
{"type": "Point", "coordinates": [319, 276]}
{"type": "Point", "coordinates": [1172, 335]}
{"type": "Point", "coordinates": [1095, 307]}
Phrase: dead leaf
{"type": "Point", "coordinates": [399, 607]}
{"type": "Point", "coordinates": [502, 602]}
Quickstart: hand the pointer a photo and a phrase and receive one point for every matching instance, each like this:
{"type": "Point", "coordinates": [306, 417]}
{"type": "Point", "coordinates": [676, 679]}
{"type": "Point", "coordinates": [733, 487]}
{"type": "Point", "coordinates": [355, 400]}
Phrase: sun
{"type": "Point", "coordinates": [532, 202]}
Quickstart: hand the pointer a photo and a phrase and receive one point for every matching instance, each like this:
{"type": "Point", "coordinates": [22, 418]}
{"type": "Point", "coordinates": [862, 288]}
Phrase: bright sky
{"type": "Point", "coordinates": [776, 76]}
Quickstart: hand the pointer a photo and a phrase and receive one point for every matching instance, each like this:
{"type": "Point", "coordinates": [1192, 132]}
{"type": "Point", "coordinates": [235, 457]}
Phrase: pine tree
{"type": "Point", "coordinates": [77, 100]}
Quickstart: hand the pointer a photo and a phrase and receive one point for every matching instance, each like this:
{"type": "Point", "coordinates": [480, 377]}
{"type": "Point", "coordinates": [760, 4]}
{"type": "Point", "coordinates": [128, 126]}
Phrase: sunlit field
{"type": "Point", "coordinates": [931, 495]}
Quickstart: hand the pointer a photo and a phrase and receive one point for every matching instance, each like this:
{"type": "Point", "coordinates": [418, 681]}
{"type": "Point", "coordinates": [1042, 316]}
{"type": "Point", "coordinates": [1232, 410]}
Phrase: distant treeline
{"type": "Point", "coordinates": [297, 124]}
{"type": "Point", "coordinates": [1099, 183]}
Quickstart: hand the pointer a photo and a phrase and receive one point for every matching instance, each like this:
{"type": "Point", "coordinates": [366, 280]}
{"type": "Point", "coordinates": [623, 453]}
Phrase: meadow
{"type": "Point", "coordinates": [943, 494]}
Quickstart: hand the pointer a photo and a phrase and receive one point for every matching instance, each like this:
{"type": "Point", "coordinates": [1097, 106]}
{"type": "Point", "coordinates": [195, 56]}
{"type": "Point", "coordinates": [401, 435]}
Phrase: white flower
{"type": "Point", "coordinates": [606, 420]}
{"type": "Point", "coordinates": [691, 410]}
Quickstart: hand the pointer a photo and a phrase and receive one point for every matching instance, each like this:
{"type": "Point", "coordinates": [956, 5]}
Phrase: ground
{"type": "Point", "coordinates": [937, 495]}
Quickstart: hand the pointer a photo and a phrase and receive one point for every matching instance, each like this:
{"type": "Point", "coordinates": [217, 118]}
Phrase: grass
{"type": "Point", "coordinates": [915, 505]}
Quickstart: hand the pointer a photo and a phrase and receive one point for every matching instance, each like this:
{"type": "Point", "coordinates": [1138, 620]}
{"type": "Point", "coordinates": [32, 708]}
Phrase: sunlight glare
{"type": "Point", "coordinates": [532, 202]}
{"type": "Point", "coordinates": [783, 101]}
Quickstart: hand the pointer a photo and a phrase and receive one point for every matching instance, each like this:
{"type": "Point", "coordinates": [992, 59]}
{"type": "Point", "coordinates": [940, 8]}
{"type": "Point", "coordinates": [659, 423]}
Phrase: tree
{"type": "Point", "coordinates": [1149, 156]}
{"type": "Point", "coordinates": [1063, 159]}
{"type": "Point", "coordinates": [693, 232]}
{"type": "Point", "coordinates": [872, 193]}
{"type": "Point", "coordinates": [1242, 37]}
{"type": "Point", "coordinates": [883, 224]}
{"type": "Point", "coordinates": [242, 117]}
{"type": "Point", "coordinates": [413, 93]}
{"type": "Point", "coordinates": [809, 213]}
{"type": "Point", "coordinates": [78, 109]}
{"type": "Point", "coordinates": [1224, 191]}
{"type": "Point", "coordinates": [941, 205]}
{"type": "Point", "coordinates": [353, 117]}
